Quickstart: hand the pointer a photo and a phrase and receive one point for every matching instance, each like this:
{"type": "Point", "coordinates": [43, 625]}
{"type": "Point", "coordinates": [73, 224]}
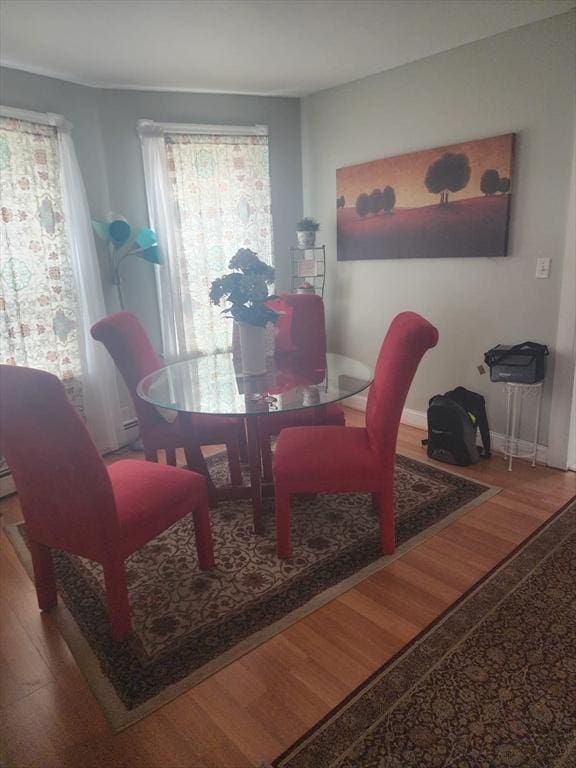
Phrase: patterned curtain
{"type": "Point", "coordinates": [38, 301]}
{"type": "Point", "coordinates": [221, 191]}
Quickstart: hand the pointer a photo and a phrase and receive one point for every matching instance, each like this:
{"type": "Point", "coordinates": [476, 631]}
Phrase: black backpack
{"type": "Point", "coordinates": [453, 420]}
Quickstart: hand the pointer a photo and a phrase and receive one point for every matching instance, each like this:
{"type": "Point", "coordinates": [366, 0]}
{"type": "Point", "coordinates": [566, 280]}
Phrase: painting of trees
{"type": "Point", "coordinates": [454, 200]}
{"type": "Point", "coordinates": [377, 201]}
{"type": "Point", "coordinates": [375, 198]}
{"type": "Point", "coordinates": [491, 182]}
{"type": "Point", "coordinates": [388, 199]}
{"type": "Point", "coordinates": [363, 205]}
{"type": "Point", "coordinates": [450, 173]}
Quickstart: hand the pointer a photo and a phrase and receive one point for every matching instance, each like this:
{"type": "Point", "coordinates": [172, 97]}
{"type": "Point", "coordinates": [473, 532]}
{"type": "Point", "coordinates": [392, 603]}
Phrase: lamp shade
{"type": "Point", "coordinates": [101, 228]}
{"type": "Point", "coordinates": [120, 231]}
{"type": "Point", "coordinates": [146, 237]}
{"type": "Point", "coordinates": [151, 254]}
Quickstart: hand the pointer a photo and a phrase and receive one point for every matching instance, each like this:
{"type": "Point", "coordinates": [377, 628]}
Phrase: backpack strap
{"type": "Point", "coordinates": [484, 428]}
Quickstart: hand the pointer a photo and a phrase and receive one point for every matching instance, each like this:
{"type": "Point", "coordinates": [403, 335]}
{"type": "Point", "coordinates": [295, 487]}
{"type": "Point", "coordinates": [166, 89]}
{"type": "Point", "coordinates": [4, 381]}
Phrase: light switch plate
{"type": "Point", "coordinates": [543, 267]}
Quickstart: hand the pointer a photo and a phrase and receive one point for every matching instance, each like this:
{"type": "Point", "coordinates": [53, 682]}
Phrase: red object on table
{"type": "Point", "coordinates": [71, 502]}
{"type": "Point", "coordinates": [300, 346]}
{"type": "Point", "coordinates": [127, 342]}
{"type": "Point", "coordinates": [347, 459]}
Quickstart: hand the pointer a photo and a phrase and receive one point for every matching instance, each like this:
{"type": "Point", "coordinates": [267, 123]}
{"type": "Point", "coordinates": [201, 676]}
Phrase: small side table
{"type": "Point", "coordinates": [516, 394]}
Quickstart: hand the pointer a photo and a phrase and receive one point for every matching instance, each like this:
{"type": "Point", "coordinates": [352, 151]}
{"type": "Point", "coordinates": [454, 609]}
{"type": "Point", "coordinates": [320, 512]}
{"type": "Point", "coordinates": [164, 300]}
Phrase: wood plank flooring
{"type": "Point", "coordinates": [254, 708]}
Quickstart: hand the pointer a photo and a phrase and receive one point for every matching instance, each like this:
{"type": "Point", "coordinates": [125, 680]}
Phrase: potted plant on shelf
{"type": "Point", "coordinates": [306, 232]}
{"type": "Point", "coordinates": [246, 290]}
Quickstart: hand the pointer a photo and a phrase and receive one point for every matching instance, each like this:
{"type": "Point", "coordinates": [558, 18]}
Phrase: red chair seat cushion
{"type": "Point", "coordinates": [150, 498]}
{"type": "Point", "coordinates": [273, 424]}
{"type": "Point", "coordinates": [326, 459]}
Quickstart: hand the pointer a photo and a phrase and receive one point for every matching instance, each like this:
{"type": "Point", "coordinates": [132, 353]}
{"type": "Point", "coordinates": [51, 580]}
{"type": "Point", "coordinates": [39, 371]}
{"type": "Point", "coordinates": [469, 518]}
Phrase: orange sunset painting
{"type": "Point", "coordinates": [450, 201]}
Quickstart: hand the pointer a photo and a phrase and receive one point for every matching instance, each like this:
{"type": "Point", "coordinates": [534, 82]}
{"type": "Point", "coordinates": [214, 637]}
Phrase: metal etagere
{"type": "Point", "coordinates": [308, 265]}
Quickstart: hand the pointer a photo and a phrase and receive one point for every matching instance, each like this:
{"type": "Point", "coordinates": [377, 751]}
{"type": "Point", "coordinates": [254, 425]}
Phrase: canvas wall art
{"type": "Point", "coordinates": [447, 202]}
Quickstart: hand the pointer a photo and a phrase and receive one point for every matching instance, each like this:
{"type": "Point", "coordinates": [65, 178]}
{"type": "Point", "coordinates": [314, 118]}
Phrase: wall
{"type": "Point", "coordinates": [520, 81]}
{"type": "Point", "coordinates": [108, 150]}
{"type": "Point", "coordinates": [562, 450]}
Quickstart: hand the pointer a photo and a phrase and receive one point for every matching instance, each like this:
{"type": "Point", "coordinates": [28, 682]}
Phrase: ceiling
{"type": "Point", "coordinates": [270, 47]}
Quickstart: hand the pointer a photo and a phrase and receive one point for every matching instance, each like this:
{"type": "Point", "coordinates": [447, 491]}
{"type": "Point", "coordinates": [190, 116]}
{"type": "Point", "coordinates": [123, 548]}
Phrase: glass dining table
{"type": "Point", "coordinates": [215, 384]}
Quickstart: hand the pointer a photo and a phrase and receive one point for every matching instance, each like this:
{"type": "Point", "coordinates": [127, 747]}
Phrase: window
{"type": "Point", "coordinates": [50, 288]}
{"type": "Point", "coordinates": [38, 301]}
{"type": "Point", "coordinates": [215, 199]}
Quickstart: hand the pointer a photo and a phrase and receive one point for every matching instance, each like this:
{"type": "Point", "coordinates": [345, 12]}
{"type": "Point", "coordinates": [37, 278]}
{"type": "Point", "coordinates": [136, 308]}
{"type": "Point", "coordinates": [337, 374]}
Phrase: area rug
{"type": "Point", "coordinates": [492, 684]}
{"type": "Point", "coordinates": [189, 623]}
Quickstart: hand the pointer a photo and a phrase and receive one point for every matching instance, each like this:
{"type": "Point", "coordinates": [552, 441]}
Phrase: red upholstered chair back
{"type": "Point", "coordinates": [129, 346]}
{"type": "Point", "coordinates": [308, 329]}
{"type": "Point", "coordinates": [408, 338]}
{"type": "Point", "coordinates": [63, 485]}
{"type": "Point", "coordinates": [301, 341]}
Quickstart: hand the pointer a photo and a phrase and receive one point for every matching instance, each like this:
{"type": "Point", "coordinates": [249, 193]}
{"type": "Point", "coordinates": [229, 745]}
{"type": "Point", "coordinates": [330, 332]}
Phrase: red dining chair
{"type": "Point", "coordinates": [347, 459]}
{"type": "Point", "coordinates": [72, 502]}
{"type": "Point", "coordinates": [300, 344]}
{"type": "Point", "coordinates": [129, 346]}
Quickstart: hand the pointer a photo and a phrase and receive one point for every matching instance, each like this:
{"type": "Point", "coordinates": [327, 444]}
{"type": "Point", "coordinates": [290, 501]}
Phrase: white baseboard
{"type": "Point", "coordinates": [357, 402]}
{"type": "Point", "coordinates": [412, 418]}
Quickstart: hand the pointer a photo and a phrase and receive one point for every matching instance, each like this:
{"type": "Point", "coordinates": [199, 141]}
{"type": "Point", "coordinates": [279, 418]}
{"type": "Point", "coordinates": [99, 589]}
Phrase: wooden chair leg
{"type": "Point", "coordinates": [283, 515]}
{"type": "Point", "coordinates": [44, 578]}
{"type": "Point", "coordinates": [233, 453]}
{"type": "Point", "coordinates": [117, 597]}
{"type": "Point", "coordinates": [171, 457]}
{"type": "Point", "coordinates": [204, 545]}
{"type": "Point", "coordinates": [242, 443]}
{"type": "Point", "coordinates": [150, 454]}
{"type": "Point", "coordinates": [387, 521]}
{"type": "Point", "coordinates": [266, 451]}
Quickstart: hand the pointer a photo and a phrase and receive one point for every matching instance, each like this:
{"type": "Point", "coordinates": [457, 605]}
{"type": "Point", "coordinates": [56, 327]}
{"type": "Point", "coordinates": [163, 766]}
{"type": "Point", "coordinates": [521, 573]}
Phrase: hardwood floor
{"type": "Point", "coordinates": [254, 708]}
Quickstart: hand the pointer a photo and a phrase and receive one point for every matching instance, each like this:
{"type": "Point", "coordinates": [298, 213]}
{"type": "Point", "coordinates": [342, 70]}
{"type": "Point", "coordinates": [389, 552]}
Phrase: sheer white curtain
{"type": "Point", "coordinates": [100, 391]}
{"type": "Point", "coordinates": [162, 214]}
{"type": "Point", "coordinates": [51, 288]}
{"type": "Point", "coordinates": [208, 191]}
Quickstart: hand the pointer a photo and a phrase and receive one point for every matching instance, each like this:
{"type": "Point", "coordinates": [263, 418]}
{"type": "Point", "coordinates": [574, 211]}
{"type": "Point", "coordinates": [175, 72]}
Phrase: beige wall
{"type": "Point", "coordinates": [520, 81]}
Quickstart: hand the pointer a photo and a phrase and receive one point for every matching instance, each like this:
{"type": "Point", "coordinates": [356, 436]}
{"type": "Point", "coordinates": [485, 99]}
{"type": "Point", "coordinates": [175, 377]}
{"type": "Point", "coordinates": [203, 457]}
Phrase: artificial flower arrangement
{"type": "Point", "coordinates": [246, 289]}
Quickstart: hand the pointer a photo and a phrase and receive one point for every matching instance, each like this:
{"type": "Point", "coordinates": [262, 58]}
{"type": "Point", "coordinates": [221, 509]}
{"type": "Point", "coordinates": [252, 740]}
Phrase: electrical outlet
{"type": "Point", "coordinates": [543, 267]}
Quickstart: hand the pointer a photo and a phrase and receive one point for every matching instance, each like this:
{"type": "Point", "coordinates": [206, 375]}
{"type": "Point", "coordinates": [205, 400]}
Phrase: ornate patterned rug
{"type": "Point", "coordinates": [492, 684]}
{"type": "Point", "coordinates": [189, 623]}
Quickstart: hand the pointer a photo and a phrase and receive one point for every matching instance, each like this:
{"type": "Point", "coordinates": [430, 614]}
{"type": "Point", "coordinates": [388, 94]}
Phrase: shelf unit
{"type": "Point", "coordinates": [308, 264]}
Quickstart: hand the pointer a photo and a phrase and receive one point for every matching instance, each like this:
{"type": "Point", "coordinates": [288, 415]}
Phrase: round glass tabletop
{"type": "Point", "coordinates": [215, 384]}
